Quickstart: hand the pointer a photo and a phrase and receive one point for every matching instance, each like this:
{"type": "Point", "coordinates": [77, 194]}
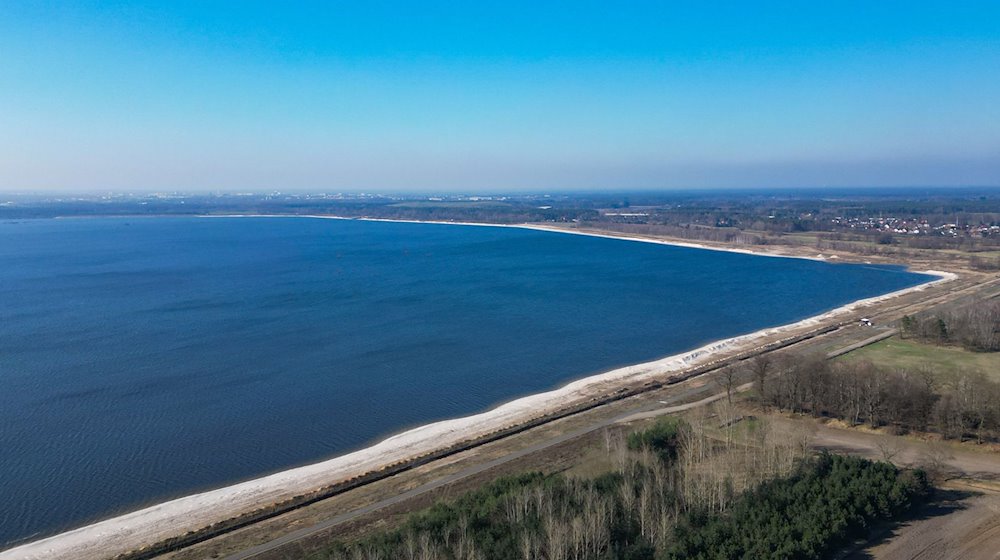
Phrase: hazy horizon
{"type": "Point", "coordinates": [506, 97]}
{"type": "Point", "coordinates": [805, 191]}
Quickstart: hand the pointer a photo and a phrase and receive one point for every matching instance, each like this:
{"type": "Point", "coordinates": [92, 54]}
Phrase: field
{"type": "Point", "coordinates": [946, 361]}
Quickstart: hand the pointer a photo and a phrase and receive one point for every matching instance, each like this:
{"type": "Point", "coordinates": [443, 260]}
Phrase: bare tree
{"type": "Point", "coordinates": [527, 546]}
{"type": "Point", "coordinates": [556, 537]}
{"type": "Point", "coordinates": [410, 546]}
{"type": "Point", "coordinates": [726, 378]}
{"type": "Point", "coordinates": [935, 461]}
{"type": "Point", "coordinates": [889, 446]}
{"type": "Point", "coordinates": [463, 545]}
{"type": "Point", "coordinates": [760, 368]}
{"type": "Point", "coordinates": [614, 441]}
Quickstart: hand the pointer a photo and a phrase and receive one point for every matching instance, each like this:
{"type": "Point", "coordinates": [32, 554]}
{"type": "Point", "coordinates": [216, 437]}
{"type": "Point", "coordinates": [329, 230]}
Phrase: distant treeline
{"type": "Point", "coordinates": [677, 493]}
{"type": "Point", "coordinates": [487, 212]}
{"type": "Point", "coordinates": [692, 233]}
{"type": "Point", "coordinates": [898, 247]}
{"type": "Point", "coordinates": [974, 327]}
{"type": "Point", "coordinates": [974, 251]}
{"type": "Point", "coordinates": [840, 219]}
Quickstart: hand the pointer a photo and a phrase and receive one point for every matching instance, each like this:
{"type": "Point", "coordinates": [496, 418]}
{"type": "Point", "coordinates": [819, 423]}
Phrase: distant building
{"type": "Point", "coordinates": [628, 217]}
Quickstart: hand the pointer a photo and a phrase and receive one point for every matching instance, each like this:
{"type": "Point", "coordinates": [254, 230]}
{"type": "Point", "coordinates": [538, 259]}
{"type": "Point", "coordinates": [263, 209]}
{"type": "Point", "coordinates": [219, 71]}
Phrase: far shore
{"type": "Point", "coordinates": [549, 228]}
{"type": "Point", "coordinates": [144, 527]}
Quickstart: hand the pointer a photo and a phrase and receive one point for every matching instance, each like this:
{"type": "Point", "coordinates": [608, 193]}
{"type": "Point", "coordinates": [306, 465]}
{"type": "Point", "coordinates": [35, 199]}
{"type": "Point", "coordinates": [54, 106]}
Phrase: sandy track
{"type": "Point", "coordinates": [957, 461]}
{"type": "Point", "coordinates": [963, 527]}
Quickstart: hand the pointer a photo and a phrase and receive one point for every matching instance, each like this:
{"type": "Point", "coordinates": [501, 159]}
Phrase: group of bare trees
{"type": "Point", "coordinates": [974, 327]}
{"type": "Point", "coordinates": [859, 392]}
{"type": "Point", "coordinates": [723, 455]}
{"type": "Point", "coordinates": [659, 476]}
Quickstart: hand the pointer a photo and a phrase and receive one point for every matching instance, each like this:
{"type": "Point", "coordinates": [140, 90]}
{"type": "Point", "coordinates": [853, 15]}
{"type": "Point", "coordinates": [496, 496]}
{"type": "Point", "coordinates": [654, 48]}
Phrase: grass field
{"type": "Point", "coordinates": [944, 360]}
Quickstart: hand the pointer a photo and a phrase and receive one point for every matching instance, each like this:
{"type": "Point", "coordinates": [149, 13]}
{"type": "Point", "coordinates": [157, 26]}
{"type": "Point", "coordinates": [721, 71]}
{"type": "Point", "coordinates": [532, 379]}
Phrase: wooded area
{"type": "Point", "coordinates": [679, 490]}
{"type": "Point", "coordinates": [973, 327]}
{"type": "Point", "coordinates": [829, 501]}
{"type": "Point", "coordinates": [968, 407]}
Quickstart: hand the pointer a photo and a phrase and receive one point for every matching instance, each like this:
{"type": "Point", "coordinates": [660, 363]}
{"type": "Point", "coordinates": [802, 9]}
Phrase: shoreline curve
{"type": "Point", "coordinates": [143, 527]}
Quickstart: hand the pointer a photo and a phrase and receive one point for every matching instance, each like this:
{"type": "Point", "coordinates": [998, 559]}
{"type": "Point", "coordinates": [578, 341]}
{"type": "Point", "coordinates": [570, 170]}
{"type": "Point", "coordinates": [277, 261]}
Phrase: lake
{"type": "Point", "coordinates": [143, 359]}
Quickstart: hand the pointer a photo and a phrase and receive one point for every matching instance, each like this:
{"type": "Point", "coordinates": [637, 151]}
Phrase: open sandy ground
{"type": "Point", "coordinates": [962, 526]}
{"type": "Point", "coordinates": [133, 530]}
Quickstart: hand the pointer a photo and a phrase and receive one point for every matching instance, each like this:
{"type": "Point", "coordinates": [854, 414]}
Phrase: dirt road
{"type": "Point", "coordinates": [952, 460]}
{"type": "Point", "coordinates": [961, 526]}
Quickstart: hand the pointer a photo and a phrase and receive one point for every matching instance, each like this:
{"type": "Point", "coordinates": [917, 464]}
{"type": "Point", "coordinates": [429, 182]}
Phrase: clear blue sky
{"type": "Point", "coordinates": [487, 96]}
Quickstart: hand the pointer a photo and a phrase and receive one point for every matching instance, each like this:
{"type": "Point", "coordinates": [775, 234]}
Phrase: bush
{"type": "Point", "coordinates": [663, 437]}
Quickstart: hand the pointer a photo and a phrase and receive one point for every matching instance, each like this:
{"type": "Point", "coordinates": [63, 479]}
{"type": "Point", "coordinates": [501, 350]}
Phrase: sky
{"type": "Point", "coordinates": [497, 96]}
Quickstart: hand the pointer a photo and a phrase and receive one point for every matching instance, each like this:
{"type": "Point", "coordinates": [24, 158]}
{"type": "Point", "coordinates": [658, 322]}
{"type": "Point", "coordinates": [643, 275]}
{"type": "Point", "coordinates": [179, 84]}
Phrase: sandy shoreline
{"type": "Point", "coordinates": [535, 227]}
{"type": "Point", "coordinates": [146, 526]}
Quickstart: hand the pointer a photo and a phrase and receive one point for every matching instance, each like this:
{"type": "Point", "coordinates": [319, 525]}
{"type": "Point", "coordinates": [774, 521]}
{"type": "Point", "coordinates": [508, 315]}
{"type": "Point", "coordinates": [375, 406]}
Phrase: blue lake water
{"type": "Point", "coordinates": [144, 359]}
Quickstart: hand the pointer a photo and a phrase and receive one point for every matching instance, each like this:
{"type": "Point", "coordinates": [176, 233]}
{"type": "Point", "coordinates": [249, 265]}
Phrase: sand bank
{"type": "Point", "coordinates": [152, 524]}
{"type": "Point", "coordinates": [538, 227]}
